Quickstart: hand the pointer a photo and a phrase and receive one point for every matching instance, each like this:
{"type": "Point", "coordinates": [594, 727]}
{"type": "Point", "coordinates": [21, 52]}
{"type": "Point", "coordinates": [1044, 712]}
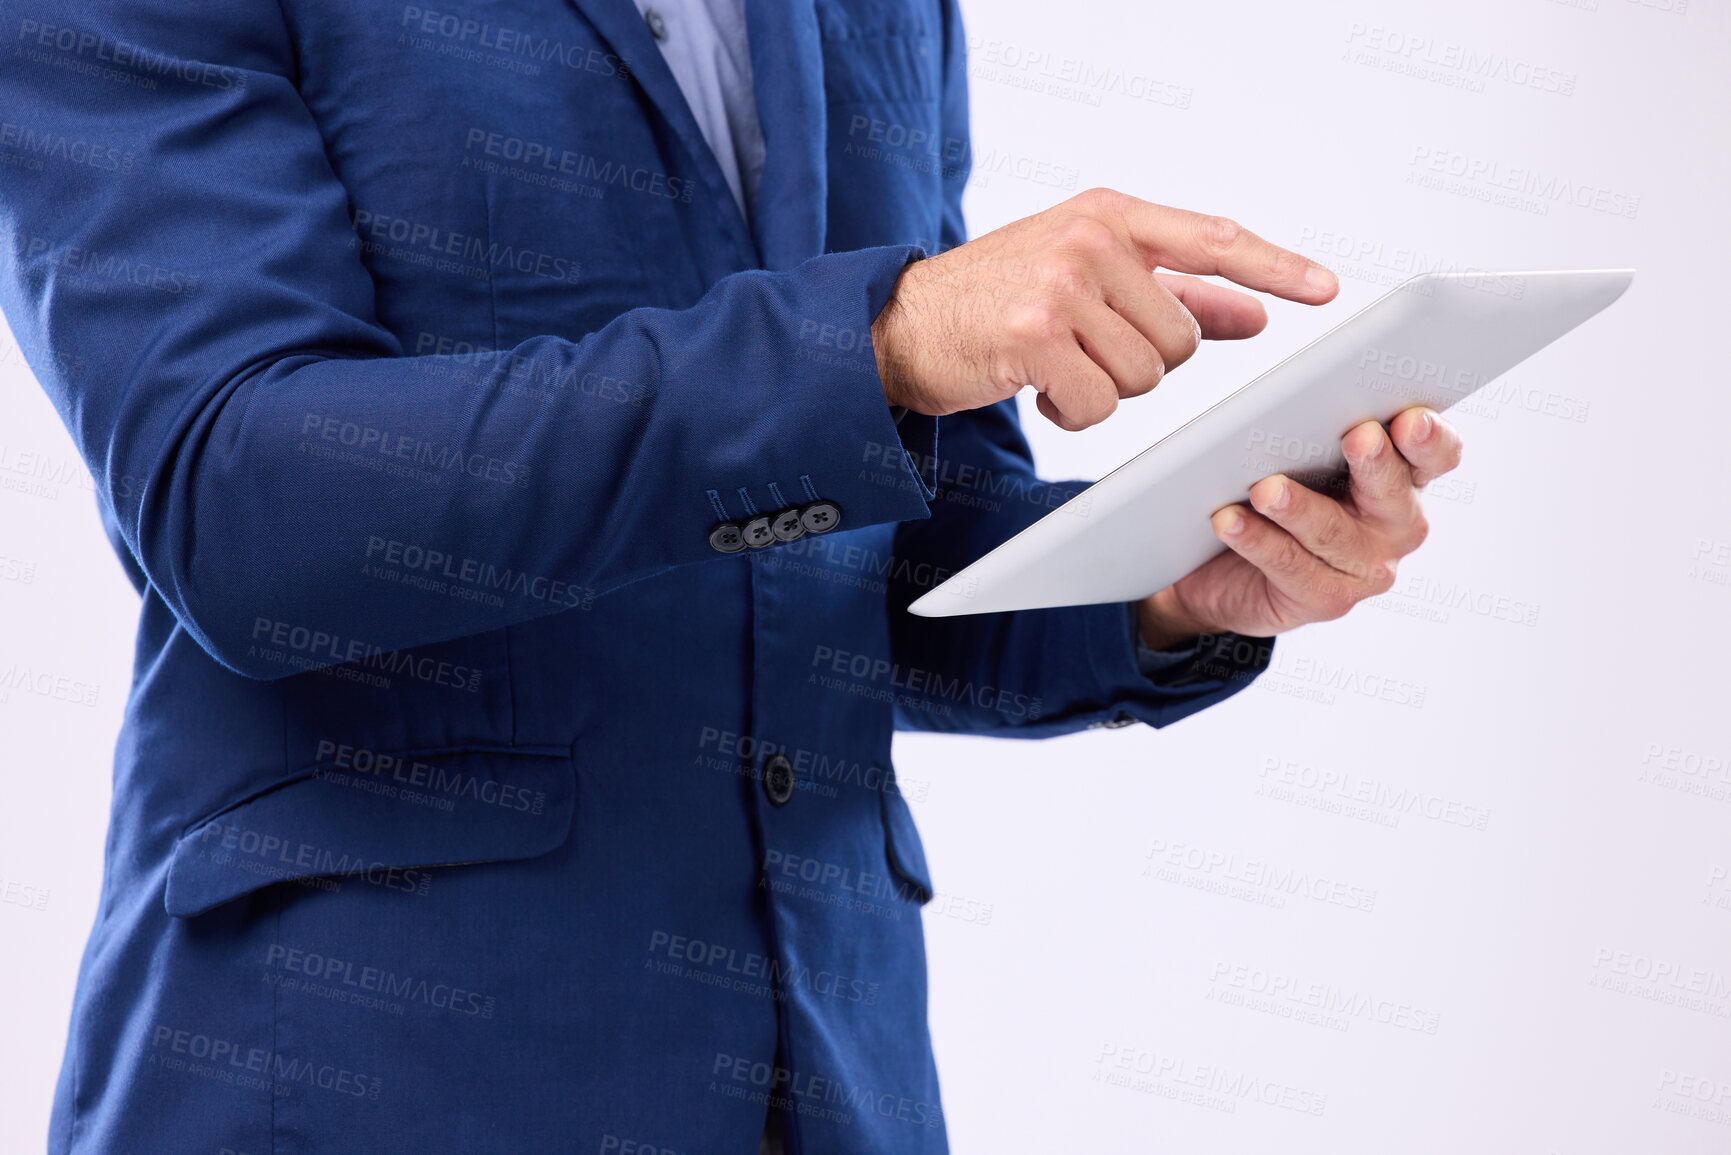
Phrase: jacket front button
{"type": "Point", "coordinates": [820, 516]}
{"type": "Point", "coordinates": [757, 533]}
{"type": "Point", "coordinates": [778, 779]}
{"type": "Point", "coordinates": [787, 526]}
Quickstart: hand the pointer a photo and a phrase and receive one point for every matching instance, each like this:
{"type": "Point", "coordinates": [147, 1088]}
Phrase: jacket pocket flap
{"type": "Point", "coordinates": [414, 809]}
{"type": "Point", "coordinates": [902, 843]}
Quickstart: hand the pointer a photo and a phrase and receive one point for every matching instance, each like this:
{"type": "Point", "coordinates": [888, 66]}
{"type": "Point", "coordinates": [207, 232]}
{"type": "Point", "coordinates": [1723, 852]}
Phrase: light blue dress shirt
{"type": "Point", "coordinates": [704, 44]}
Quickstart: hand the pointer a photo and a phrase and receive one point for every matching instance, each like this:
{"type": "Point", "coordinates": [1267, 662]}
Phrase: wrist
{"type": "Point", "coordinates": [1163, 621]}
{"type": "Point", "coordinates": [887, 344]}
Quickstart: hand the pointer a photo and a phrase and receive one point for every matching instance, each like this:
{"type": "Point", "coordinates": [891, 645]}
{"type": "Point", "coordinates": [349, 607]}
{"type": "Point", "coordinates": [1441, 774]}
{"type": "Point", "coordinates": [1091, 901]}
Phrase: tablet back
{"type": "Point", "coordinates": [1433, 340]}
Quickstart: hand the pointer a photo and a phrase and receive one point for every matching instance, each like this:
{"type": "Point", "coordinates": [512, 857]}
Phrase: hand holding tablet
{"type": "Point", "coordinates": [1296, 555]}
{"type": "Point", "coordinates": [1162, 517]}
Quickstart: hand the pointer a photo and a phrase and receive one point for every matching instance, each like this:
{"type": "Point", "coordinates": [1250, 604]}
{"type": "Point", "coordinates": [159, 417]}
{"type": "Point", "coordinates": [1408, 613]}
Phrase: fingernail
{"type": "Point", "coordinates": [1320, 279]}
{"type": "Point", "coordinates": [1426, 426]}
{"type": "Point", "coordinates": [1232, 523]}
{"type": "Point", "coordinates": [1282, 497]}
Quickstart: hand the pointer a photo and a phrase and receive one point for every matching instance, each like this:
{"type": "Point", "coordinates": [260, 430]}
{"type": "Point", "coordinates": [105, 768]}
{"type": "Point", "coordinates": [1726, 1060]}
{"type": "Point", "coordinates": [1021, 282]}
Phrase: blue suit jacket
{"type": "Point", "coordinates": [416, 351]}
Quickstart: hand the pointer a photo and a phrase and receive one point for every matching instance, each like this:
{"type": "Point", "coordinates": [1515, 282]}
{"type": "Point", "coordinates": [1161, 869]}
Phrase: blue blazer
{"type": "Point", "coordinates": [522, 540]}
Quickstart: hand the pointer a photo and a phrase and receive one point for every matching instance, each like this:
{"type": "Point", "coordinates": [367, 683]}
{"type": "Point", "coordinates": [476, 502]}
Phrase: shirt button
{"type": "Point", "coordinates": [820, 516]}
{"type": "Point", "coordinates": [778, 779]}
{"type": "Point", "coordinates": [786, 525]}
{"type": "Point", "coordinates": [657, 23]}
{"type": "Point", "coordinates": [726, 538]}
{"type": "Point", "coordinates": [757, 533]}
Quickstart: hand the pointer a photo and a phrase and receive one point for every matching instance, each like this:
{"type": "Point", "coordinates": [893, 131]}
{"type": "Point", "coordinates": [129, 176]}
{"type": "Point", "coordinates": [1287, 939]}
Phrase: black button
{"type": "Point", "coordinates": [778, 779]}
{"type": "Point", "coordinates": [820, 516]}
{"type": "Point", "coordinates": [757, 533]}
{"type": "Point", "coordinates": [657, 23]}
{"type": "Point", "coordinates": [786, 525]}
{"type": "Point", "coordinates": [726, 538]}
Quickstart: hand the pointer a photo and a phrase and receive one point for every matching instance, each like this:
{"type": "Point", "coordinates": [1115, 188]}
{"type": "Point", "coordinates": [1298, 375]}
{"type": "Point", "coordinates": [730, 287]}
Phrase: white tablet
{"type": "Point", "coordinates": [1432, 341]}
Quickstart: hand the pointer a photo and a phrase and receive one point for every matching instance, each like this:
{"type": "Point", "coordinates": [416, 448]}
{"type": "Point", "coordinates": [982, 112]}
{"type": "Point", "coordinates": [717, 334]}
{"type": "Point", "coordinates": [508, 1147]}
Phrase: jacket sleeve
{"type": "Point", "coordinates": [186, 280]}
{"type": "Point", "coordinates": [1031, 673]}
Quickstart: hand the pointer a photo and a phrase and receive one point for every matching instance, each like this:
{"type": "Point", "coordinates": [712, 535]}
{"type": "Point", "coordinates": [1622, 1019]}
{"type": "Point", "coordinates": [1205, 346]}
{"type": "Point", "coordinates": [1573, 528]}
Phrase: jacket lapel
{"type": "Point", "coordinates": [623, 28]}
{"type": "Point", "coordinates": [787, 73]}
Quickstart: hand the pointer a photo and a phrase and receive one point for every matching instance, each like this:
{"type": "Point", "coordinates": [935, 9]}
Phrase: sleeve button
{"type": "Point", "coordinates": [757, 533]}
{"type": "Point", "coordinates": [820, 516]}
{"type": "Point", "coordinates": [787, 526]}
{"type": "Point", "coordinates": [726, 538]}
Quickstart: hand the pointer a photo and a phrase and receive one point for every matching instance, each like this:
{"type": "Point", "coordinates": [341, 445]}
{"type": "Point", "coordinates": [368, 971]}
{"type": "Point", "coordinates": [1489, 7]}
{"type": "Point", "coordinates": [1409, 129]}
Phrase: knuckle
{"type": "Point", "coordinates": [1192, 340]}
{"type": "Point", "coordinates": [1374, 471]}
{"type": "Point", "coordinates": [1336, 601]}
{"type": "Point", "coordinates": [1331, 530]}
{"type": "Point", "coordinates": [1181, 336]}
{"type": "Point", "coordinates": [1084, 408]}
{"type": "Point", "coordinates": [1154, 369]}
{"type": "Point", "coordinates": [1054, 322]}
{"type": "Point", "coordinates": [1144, 374]}
{"type": "Point", "coordinates": [1102, 403]}
{"type": "Point", "coordinates": [1288, 266]}
{"type": "Point", "coordinates": [1099, 199]}
{"type": "Point", "coordinates": [1065, 275]}
{"type": "Point", "coordinates": [1088, 236]}
{"type": "Point", "coordinates": [1219, 233]}
{"type": "Point", "coordinates": [1417, 530]}
{"type": "Point", "coordinates": [1034, 322]}
{"type": "Point", "coordinates": [1287, 555]}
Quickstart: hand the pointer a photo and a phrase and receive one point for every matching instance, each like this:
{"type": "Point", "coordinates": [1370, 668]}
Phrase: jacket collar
{"type": "Point", "coordinates": [787, 76]}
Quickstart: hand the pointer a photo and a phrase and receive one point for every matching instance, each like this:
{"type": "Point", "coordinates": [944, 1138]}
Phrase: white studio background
{"type": "Point", "coordinates": [1573, 956]}
{"type": "Point", "coordinates": [1514, 768]}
